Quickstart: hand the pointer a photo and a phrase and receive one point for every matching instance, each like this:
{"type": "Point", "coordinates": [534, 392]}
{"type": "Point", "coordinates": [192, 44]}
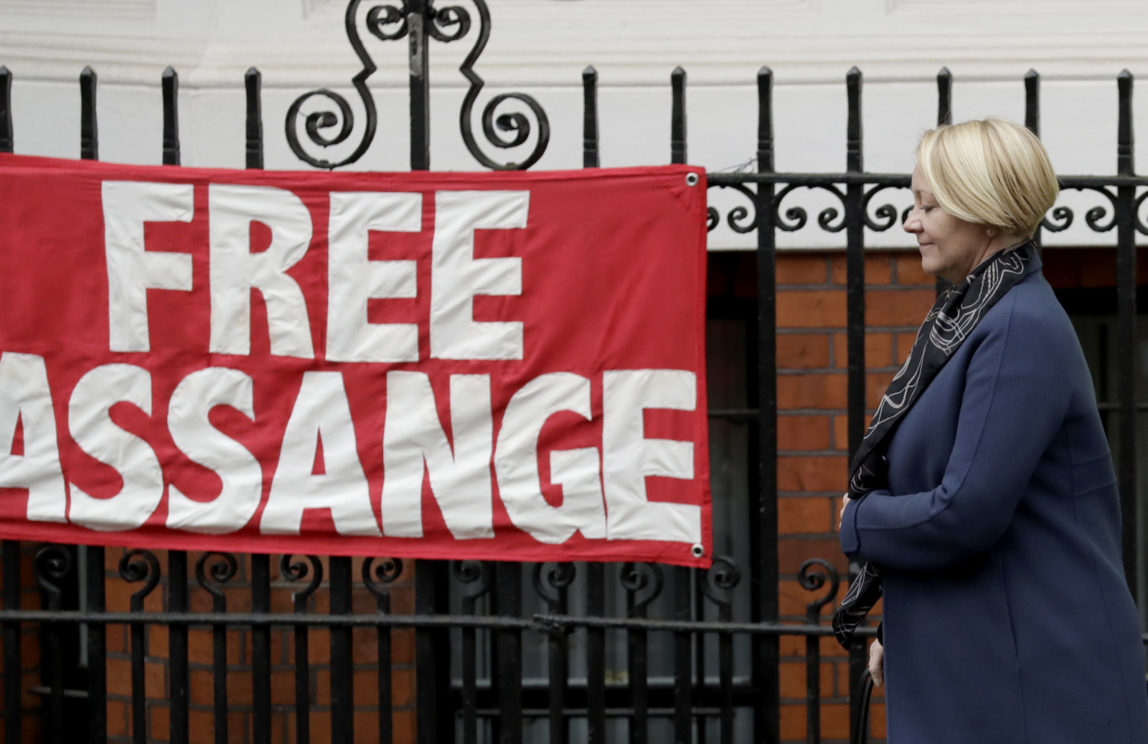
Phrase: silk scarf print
{"type": "Point", "coordinates": [950, 321]}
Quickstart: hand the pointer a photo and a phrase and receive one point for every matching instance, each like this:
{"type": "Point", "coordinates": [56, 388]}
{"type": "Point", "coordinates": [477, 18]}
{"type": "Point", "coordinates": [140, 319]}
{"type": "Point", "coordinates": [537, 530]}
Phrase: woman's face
{"type": "Point", "coordinates": [950, 247]}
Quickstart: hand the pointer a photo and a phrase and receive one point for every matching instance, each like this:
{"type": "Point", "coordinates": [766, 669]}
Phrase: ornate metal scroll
{"type": "Point", "coordinates": [637, 578]}
{"type": "Point", "coordinates": [140, 565]}
{"type": "Point", "coordinates": [556, 576]}
{"type": "Point", "coordinates": [334, 124]}
{"type": "Point", "coordinates": [298, 571]}
{"type": "Point", "coordinates": [212, 571]}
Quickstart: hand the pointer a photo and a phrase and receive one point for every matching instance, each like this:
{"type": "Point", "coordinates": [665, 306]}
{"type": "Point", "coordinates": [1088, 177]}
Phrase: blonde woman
{"type": "Point", "coordinates": [983, 501]}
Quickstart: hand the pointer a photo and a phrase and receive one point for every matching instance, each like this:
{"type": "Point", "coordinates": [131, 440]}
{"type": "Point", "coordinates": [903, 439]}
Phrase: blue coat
{"type": "Point", "coordinates": [1006, 615]}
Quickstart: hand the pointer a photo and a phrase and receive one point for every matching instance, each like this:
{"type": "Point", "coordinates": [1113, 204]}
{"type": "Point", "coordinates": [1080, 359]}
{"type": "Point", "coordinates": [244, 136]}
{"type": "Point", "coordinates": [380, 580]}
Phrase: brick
{"type": "Point", "coordinates": [802, 268]}
{"type": "Point", "coordinates": [878, 350]}
{"type": "Point", "coordinates": [834, 721]}
{"type": "Point", "coordinates": [201, 647]}
{"type": "Point", "coordinates": [793, 722]}
{"type": "Point", "coordinates": [909, 271]}
{"type": "Point", "coordinates": [793, 680]}
{"type": "Point", "coordinates": [841, 432]}
{"type": "Point", "coordinates": [811, 309]}
{"type": "Point", "coordinates": [804, 514]}
{"type": "Point", "coordinates": [812, 391]}
{"type": "Point", "coordinates": [824, 473]}
{"type": "Point", "coordinates": [118, 715]}
{"type": "Point", "coordinates": [897, 307]}
{"type": "Point", "coordinates": [878, 269]}
{"type": "Point", "coordinates": [905, 345]}
{"type": "Point", "coordinates": [158, 721]}
{"type": "Point", "coordinates": [802, 350]}
{"type": "Point", "coordinates": [793, 551]}
{"type": "Point", "coordinates": [803, 432]}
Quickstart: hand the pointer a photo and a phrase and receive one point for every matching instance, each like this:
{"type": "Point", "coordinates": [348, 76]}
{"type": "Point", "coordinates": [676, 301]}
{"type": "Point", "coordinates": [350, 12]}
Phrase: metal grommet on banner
{"type": "Point", "coordinates": [698, 550]}
{"type": "Point", "coordinates": [692, 180]}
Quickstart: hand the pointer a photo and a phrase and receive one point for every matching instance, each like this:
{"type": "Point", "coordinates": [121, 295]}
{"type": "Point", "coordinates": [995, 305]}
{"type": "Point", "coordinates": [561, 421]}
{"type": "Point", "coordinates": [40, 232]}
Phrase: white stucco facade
{"type": "Point", "coordinates": [540, 47]}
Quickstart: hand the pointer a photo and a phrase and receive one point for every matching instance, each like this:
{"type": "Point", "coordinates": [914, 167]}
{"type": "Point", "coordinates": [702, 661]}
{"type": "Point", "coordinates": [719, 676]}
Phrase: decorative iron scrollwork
{"type": "Point", "coordinates": [556, 576]}
{"type": "Point", "coordinates": [636, 578]}
{"type": "Point", "coordinates": [813, 575]}
{"type": "Point", "coordinates": [140, 565]}
{"type": "Point", "coordinates": [214, 569]}
{"type": "Point", "coordinates": [474, 577]}
{"type": "Point", "coordinates": [887, 213]}
{"type": "Point", "coordinates": [721, 578]}
{"type": "Point", "coordinates": [1061, 218]}
{"type": "Point", "coordinates": [53, 564]}
{"type": "Point", "coordinates": [796, 217]}
{"type": "Point", "coordinates": [379, 574]}
{"type": "Point", "coordinates": [737, 217]}
{"type": "Point", "coordinates": [509, 120]}
{"type": "Point", "coordinates": [298, 570]}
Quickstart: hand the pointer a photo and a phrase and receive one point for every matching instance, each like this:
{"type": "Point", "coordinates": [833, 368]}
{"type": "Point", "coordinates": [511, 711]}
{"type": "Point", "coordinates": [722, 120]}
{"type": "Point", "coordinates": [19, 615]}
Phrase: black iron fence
{"type": "Point", "coordinates": [501, 651]}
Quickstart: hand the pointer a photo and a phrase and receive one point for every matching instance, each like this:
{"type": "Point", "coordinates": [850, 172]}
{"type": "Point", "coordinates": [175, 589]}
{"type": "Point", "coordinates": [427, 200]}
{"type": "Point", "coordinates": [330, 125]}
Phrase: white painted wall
{"type": "Point", "coordinates": [540, 47]}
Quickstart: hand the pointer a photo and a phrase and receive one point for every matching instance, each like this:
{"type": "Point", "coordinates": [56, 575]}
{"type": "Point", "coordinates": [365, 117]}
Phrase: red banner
{"type": "Point", "coordinates": [432, 365]}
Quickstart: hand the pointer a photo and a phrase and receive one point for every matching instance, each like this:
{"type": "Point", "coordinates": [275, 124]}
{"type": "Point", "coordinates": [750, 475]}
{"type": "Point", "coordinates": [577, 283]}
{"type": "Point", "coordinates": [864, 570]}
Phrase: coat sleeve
{"type": "Point", "coordinates": [1015, 399]}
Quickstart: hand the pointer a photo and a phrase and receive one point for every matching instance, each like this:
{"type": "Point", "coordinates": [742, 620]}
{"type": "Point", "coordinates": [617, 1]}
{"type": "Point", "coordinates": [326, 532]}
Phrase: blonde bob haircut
{"type": "Point", "coordinates": [989, 172]}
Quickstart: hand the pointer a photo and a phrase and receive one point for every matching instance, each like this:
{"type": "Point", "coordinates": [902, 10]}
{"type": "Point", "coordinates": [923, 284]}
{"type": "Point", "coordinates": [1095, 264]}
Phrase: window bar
{"type": "Point", "coordinates": [596, 655]}
{"type": "Point", "coordinates": [470, 572]}
{"type": "Point", "coordinates": [763, 393]}
{"type": "Point", "coordinates": [637, 658]}
{"type": "Point", "coordinates": [595, 572]}
{"type": "Point", "coordinates": [855, 320]}
{"type": "Point", "coordinates": [53, 564]}
{"type": "Point", "coordinates": [701, 735]}
{"type": "Point", "coordinates": [1126, 326]}
{"type": "Point", "coordinates": [558, 646]}
{"type": "Point", "coordinates": [342, 692]}
{"type": "Point", "coordinates": [508, 653]}
{"type": "Point", "coordinates": [94, 593]}
{"type": "Point", "coordinates": [683, 579]}
{"type": "Point", "coordinates": [253, 83]}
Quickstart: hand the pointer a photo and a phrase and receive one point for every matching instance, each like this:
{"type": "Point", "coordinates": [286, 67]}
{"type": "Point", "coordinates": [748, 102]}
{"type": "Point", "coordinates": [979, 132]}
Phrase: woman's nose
{"type": "Point", "coordinates": [911, 223]}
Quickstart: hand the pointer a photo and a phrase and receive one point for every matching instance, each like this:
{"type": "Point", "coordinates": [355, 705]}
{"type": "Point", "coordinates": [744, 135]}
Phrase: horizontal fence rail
{"type": "Point", "coordinates": [436, 651]}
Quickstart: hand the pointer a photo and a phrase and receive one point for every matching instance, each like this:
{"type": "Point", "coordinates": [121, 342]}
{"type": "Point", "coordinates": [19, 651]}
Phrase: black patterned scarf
{"type": "Point", "coordinates": [950, 321]}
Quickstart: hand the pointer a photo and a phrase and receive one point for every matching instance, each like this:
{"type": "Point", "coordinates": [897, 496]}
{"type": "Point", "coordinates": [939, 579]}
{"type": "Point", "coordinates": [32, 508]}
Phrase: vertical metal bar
{"type": "Point", "coordinates": [260, 564]}
{"type": "Point", "coordinates": [855, 319]}
{"type": "Point", "coordinates": [470, 669]}
{"type": "Point", "coordinates": [590, 118]}
{"type": "Point", "coordinates": [261, 649]}
{"type": "Point", "coordinates": [683, 682]}
{"type": "Point", "coordinates": [683, 678]}
{"type": "Point", "coordinates": [763, 499]}
{"type": "Point", "coordinates": [1126, 326]}
{"type": "Point", "coordinates": [94, 594]}
{"type": "Point", "coordinates": [386, 696]}
{"type": "Point", "coordinates": [701, 735]}
{"type": "Point", "coordinates": [1032, 116]}
{"type": "Point", "coordinates": [170, 85]}
{"type": "Point", "coordinates": [302, 665]}
{"type": "Point", "coordinates": [176, 559]}
{"type": "Point", "coordinates": [6, 134]}
{"type": "Point", "coordinates": [678, 116]}
{"type": "Point", "coordinates": [253, 83]}
{"type": "Point", "coordinates": [89, 130]}
{"type": "Point", "coordinates": [944, 97]}
{"type": "Point", "coordinates": [177, 646]}
{"type": "Point", "coordinates": [944, 118]}
{"type": "Point", "coordinates": [342, 692]}
{"type": "Point", "coordinates": [725, 673]}
{"type": "Point", "coordinates": [435, 724]}
{"type": "Point", "coordinates": [508, 653]}
{"type": "Point", "coordinates": [97, 648]}
{"type": "Point", "coordinates": [219, 669]}
{"type": "Point", "coordinates": [13, 664]}
{"type": "Point", "coordinates": [51, 567]}
{"type": "Point", "coordinates": [417, 18]}
{"type": "Point", "coordinates": [596, 655]}
{"type": "Point", "coordinates": [812, 681]}
{"type": "Point", "coordinates": [138, 651]}
{"type": "Point", "coordinates": [637, 660]}
{"type": "Point", "coordinates": [559, 648]}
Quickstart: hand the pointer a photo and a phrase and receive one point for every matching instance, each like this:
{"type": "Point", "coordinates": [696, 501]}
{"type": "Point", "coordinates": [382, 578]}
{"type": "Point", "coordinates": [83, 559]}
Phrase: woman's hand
{"type": "Point", "coordinates": [877, 662]}
{"type": "Point", "coordinates": [844, 503]}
